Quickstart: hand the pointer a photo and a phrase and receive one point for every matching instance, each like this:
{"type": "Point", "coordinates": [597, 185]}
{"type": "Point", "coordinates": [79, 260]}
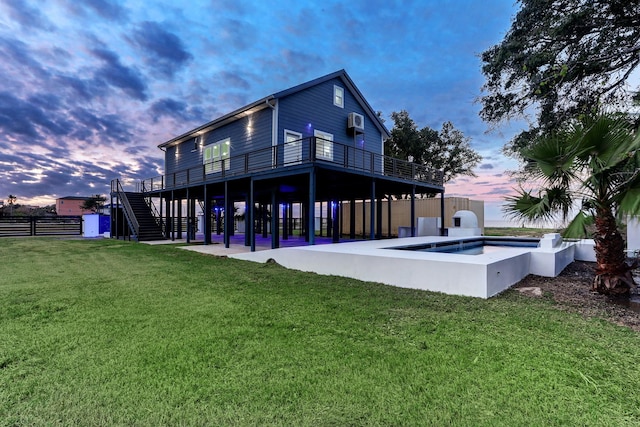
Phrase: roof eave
{"type": "Point", "coordinates": [220, 121]}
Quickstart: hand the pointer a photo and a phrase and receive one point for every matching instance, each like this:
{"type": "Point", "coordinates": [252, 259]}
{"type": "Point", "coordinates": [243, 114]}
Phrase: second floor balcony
{"type": "Point", "coordinates": [312, 150]}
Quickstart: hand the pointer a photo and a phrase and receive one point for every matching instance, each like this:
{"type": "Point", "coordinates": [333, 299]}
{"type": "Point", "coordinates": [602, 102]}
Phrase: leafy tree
{"type": "Point", "coordinates": [561, 59]}
{"type": "Point", "coordinates": [94, 203]}
{"type": "Point", "coordinates": [595, 163]}
{"type": "Point", "coordinates": [447, 150]}
{"type": "Point", "coordinates": [11, 200]}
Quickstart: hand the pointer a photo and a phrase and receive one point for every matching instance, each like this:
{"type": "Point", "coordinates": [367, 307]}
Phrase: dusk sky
{"type": "Point", "coordinates": [89, 88]}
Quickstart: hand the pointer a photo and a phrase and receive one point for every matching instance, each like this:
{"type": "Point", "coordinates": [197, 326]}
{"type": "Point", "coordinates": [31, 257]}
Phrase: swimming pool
{"type": "Point", "coordinates": [477, 246]}
{"type": "Point", "coordinates": [403, 262]}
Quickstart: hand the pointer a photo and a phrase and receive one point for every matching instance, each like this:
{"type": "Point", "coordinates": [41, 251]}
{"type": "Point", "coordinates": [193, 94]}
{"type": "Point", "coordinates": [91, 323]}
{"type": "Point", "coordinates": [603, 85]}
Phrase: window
{"type": "Point", "coordinates": [292, 147]}
{"type": "Point", "coordinates": [338, 96]}
{"type": "Point", "coordinates": [324, 145]}
{"type": "Point", "coordinates": [213, 156]}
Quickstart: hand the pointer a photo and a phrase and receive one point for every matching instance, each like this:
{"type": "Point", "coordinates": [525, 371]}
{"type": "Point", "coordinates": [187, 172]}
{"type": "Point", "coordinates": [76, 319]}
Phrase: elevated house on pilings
{"type": "Point", "coordinates": [316, 143]}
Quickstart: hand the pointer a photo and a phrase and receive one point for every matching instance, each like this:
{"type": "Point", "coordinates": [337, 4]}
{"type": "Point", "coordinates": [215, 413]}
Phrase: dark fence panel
{"type": "Point", "coordinates": [40, 226]}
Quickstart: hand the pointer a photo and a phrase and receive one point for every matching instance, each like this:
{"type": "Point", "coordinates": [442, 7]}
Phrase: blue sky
{"type": "Point", "coordinates": [90, 88]}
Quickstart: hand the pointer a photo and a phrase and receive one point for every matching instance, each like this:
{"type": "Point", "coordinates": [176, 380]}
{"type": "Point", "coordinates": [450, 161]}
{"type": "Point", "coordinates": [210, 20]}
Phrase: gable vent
{"type": "Point", "coordinates": [356, 122]}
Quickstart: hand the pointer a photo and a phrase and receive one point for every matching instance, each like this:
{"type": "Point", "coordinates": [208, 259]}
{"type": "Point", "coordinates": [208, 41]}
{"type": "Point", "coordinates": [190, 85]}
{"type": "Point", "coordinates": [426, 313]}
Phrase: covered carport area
{"type": "Point", "coordinates": [269, 196]}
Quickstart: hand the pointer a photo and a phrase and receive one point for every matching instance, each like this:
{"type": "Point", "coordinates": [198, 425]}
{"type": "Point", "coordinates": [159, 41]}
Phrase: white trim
{"type": "Point", "coordinates": [324, 145]}
{"type": "Point", "coordinates": [292, 132]}
{"type": "Point", "coordinates": [274, 133]}
{"type": "Point", "coordinates": [335, 93]}
{"type": "Point", "coordinates": [382, 151]}
{"type": "Point", "coordinates": [274, 125]}
{"type": "Point", "coordinates": [213, 164]}
{"type": "Point", "coordinates": [292, 152]}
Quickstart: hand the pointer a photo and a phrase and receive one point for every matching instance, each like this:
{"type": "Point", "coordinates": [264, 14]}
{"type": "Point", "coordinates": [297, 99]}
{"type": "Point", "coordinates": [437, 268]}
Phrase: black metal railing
{"type": "Point", "coordinates": [156, 215]}
{"type": "Point", "coordinates": [302, 151]}
{"type": "Point", "coordinates": [132, 221]}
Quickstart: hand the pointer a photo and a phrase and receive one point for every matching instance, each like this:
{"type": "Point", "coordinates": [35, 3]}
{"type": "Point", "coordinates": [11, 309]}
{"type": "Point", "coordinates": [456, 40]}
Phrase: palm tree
{"type": "Point", "coordinates": [595, 165]}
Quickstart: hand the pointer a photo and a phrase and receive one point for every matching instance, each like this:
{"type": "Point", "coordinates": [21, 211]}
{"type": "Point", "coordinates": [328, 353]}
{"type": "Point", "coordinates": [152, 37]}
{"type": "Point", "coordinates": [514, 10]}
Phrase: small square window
{"type": "Point", "coordinates": [338, 96]}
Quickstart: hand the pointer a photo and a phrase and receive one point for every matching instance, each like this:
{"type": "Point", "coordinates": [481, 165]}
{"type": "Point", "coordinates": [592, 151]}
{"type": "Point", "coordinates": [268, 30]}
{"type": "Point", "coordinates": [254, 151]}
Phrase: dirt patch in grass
{"type": "Point", "coordinates": [571, 291]}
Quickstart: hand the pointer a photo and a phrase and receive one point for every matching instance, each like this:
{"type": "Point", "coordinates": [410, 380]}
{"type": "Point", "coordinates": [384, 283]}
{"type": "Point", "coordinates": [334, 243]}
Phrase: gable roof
{"type": "Point", "coordinates": [268, 102]}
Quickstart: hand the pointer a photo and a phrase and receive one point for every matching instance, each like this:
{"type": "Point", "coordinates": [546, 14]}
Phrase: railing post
{"type": "Point", "coordinates": [371, 166]}
{"type": "Point", "coordinates": [312, 148]}
{"type": "Point", "coordinates": [274, 158]}
{"type": "Point", "coordinates": [345, 155]}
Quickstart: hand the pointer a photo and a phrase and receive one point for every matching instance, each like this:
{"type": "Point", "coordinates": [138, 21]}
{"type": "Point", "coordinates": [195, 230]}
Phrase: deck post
{"type": "Point", "coordinates": [226, 236]}
{"type": "Point", "coordinates": [304, 221]}
{"type": "Point", "coordinates": [364, 219]}
{"type": "Point", "coordinates": [207, 217]}
{"type": "Point", "coordinates": [160, 213]}
{"type": "Point", "coordinates": [352, 219]}
{"type": "Point", "coordinates": [372, 211]}
{"type": "Point", "coordinates": [335, 207]}
{"type": "Point", "coordinates": [330, 212]}
{"type": "Point", "coordinates": [114, 214]}
{"type": "Point", "coordinates": [341, 215]}
{"type": "Point", "coordinates": [192, 218]}
{"type": "Point", "coordinates": [285, 221]}
{"type": "Point", "coordinates": [275, 220]}
{"type": "Point", "coordinates": [179, 218]}
{"type": "Point", "coordinates": [250, 225]}
{"type": "Point", "coordinates": [173, 216]}
{"type": "Point", "coordinates": [379, 218]}
{"type": "Point", "coordinates": [292, 222]}
{"type": "Point", "coordinates": [413, 211]}
{"type": "Point", "coordinates": [311, 210]}
{"type": "Point", "coordinates": [442, 213]}
{"type": "Point", "coordinates": [389, 215]}
{"type": "Point", "coordinates": [167, 213]}
{"type": "Point", "coordinates": [321, 218]}
{"type": "Point", "coordinates": [247, 204]}
{"type": "Point", "coordinates": [188, 215]}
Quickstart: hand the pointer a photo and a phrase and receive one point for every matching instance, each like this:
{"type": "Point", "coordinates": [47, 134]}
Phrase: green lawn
{"type": "Point", "coordinates": [518, 231]}
{"type": "Point", "coordinates": [105, 332]}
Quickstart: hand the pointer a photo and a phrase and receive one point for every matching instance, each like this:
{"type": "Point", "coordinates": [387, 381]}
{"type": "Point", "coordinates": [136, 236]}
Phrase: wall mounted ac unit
{"type": "Point", "coordinates": [356, 122]}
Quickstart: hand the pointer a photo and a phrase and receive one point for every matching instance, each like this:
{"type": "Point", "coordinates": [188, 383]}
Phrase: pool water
{"type": "Point", "coordinates": [476, 250]}
{"type": "Point", "coordinates": [473, 246]}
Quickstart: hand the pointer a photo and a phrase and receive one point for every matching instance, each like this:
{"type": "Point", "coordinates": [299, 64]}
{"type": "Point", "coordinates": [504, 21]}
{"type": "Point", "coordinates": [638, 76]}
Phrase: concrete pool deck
{"type": "Point", "coordinates": [482, 276]}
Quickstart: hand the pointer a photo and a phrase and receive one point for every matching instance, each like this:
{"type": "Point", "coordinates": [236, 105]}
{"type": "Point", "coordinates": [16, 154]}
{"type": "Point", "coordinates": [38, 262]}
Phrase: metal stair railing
{"type": "Point", "coordinates": [129, 214]}
{"type": "Point", "coordinates": [156, 215]}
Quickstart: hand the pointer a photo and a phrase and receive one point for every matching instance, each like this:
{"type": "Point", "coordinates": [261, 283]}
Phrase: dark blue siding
{"type": "Point", "coordinates": [247, 134]}
{"type": "Point", "coordinates": [313, 108]}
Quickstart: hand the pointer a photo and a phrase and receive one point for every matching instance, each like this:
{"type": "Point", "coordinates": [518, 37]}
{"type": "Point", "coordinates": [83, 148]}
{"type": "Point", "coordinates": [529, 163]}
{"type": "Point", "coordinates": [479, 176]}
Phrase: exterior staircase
{"type": "Point", "coordinates": [140, 216]}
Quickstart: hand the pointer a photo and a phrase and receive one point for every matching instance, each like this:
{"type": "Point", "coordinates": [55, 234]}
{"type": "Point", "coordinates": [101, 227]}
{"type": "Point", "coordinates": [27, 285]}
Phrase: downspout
{"type": "Point", "coordinates": [274, 120]}
{"type": "Point", "coordinates": [274, 127]}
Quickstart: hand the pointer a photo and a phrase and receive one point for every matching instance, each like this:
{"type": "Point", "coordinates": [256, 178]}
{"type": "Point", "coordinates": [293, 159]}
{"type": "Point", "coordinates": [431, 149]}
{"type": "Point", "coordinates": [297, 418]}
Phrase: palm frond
{"type": "Point", "coordinates": [578, 227]}
{"type": "Point", "coordinates": [528, 207]}
{"type": "Point", "coordinates": [629, 203]}
{"type": "Point", "coordinates": [553, 160]}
